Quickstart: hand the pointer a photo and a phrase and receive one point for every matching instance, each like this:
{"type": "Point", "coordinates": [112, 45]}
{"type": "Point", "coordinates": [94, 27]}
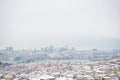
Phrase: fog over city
{"type": "Point", "coordinates": [84, 24]}
{"type": "Point", "coordinates": [59, 39]}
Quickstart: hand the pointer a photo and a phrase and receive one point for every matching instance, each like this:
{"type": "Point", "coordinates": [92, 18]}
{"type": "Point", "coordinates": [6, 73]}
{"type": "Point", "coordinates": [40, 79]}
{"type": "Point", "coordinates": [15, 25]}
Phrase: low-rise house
{"type": "Point", "coordinates": [46, 77]}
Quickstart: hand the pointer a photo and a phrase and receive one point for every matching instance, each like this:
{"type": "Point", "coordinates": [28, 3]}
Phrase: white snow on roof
{"type": "Point", "coordinates": [46, 77]}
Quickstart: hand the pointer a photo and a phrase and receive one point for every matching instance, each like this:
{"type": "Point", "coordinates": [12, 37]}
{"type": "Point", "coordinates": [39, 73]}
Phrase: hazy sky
{"type": "Point", "coordinates": [80, 23]}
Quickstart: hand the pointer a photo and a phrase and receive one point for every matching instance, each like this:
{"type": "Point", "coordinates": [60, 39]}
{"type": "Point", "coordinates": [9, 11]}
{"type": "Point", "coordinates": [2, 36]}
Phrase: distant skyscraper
{"type": "Point", "coordinates": [50, 48]}
{"type": "Point", "coordinates": [9, 48]}
{"type": "Point", "coordinates": [94, 49]}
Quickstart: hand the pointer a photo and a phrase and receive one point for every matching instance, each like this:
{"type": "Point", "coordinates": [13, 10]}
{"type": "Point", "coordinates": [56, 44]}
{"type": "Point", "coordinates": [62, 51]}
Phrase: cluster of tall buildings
{"type": "Point", "coordinates": [42, 49]}
{"type": "Point", "coordinates": [53, 53]}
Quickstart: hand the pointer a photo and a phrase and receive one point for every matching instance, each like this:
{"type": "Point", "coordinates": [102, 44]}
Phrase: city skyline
{"type": "Point", "coordinates": [83, 24]}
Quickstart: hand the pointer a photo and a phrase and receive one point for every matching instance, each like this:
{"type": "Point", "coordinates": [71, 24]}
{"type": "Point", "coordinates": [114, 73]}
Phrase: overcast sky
{"type": "Point", "coordinates": [80, 23]}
